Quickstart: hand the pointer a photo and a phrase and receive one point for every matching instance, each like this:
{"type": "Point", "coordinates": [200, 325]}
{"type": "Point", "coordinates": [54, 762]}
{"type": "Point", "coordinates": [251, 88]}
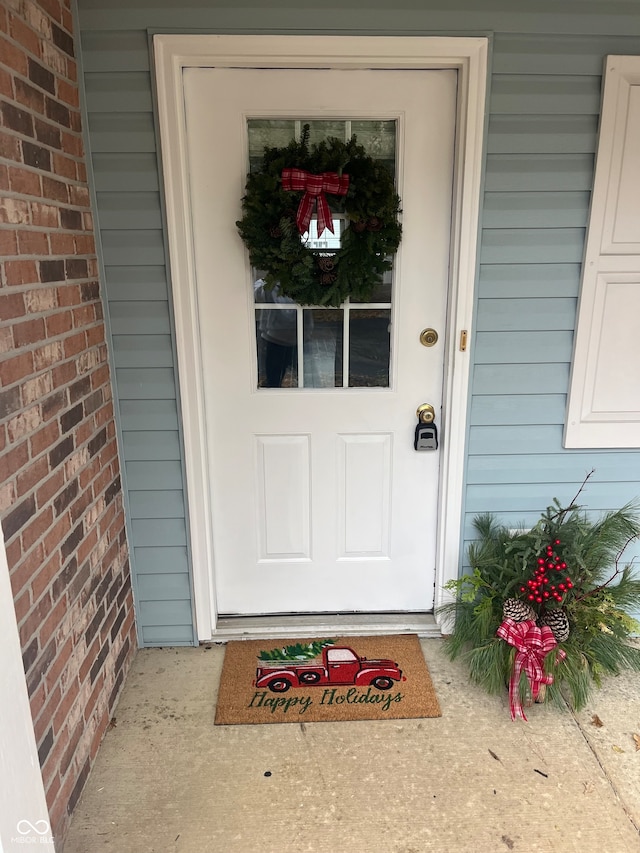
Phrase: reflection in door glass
{"type": "Point", "coordinates": [378, 139]}
{"type": "Point", "coordinates": [382, 293]}
{"type": "Point", "coordinates": [369, 348]}
{"type": "Point", "coordinates": [277, 338]}
{"type": "Point", "coordinates": [268, 133]}
{"type": "Point", "coordinates": [323, 348]}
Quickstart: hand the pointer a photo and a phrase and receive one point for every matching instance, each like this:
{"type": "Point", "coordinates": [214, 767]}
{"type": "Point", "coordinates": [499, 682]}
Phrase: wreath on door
{"type": "Point", "coordinates": [332, 177]}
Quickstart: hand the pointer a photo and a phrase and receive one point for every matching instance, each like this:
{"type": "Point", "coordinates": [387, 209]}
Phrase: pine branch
{"type": "Point", "coordinates": [618, 571]}
{"type": "Point", "coordinates": [573, 503]}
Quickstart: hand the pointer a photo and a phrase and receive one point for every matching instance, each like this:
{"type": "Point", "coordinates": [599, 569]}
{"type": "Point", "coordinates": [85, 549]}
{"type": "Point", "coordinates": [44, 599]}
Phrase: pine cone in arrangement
{"type": "Point", "coordinates": [276, 232]}
{"type": "Point", "coordinates": [327, 263]}
{"type": "Point", "coordinates": [558, 621]}
{"type": "Point", "coordinates": [328, 278]}
{"type": "Point", "coordinates": [517, 610]}
{"type": "Point", "coordinates": [359, 226]}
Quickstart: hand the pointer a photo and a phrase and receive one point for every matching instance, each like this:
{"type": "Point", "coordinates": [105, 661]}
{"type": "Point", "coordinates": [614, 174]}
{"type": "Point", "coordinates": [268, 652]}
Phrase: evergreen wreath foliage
{"type": "Point", "coordinates": [597, 605]}
{"type": "Point", "coordinates": [268, 225]}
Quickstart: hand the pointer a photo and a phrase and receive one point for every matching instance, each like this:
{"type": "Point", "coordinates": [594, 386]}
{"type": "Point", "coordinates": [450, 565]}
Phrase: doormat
{"type": "Point", "coordinates": [325, 680]}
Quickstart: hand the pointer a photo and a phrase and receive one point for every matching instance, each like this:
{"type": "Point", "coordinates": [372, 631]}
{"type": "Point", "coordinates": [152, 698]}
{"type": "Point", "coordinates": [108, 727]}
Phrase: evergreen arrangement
{"type": "Point", "coordinates": [565, 573]}
{"type": "Point", "coordinates": [371, 206]}
{"type": "Point", "coordinates": [296, 652]}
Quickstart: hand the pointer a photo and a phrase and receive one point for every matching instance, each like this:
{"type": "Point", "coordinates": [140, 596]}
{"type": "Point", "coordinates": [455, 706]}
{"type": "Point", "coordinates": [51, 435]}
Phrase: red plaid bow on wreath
{"type": "Point", "coordinates": [315, 187]}
{"type": "Point", "coordinates": [532, 645]}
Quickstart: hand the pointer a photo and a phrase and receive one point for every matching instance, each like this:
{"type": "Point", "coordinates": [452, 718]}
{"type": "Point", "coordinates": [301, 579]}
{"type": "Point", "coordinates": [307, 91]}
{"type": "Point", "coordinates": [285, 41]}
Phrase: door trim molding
{"type": "Point", "coordinates": [172, 54]}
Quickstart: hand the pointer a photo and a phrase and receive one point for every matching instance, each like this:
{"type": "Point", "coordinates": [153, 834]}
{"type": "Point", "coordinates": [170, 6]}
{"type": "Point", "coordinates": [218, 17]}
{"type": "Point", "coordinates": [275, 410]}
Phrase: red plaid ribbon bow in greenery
{"type": "Point", "coordinates": [315, 187]}
{"type": "Point", "coordinates": [532, 645]}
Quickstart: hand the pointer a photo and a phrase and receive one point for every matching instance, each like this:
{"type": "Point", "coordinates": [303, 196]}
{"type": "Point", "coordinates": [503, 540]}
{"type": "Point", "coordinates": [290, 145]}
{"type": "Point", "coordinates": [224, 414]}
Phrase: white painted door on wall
{"type": "Point", "coordinates": [320, 503]}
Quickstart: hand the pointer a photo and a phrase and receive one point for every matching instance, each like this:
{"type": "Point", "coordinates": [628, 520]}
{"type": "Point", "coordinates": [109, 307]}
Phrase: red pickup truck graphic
{"type": "Point", "coordinates": [339, 665]}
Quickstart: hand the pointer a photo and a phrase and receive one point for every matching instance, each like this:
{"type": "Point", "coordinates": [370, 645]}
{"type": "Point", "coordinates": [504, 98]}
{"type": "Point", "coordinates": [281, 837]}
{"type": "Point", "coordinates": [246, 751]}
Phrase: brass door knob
{"type": "Point", "coordinates": [426, 413]}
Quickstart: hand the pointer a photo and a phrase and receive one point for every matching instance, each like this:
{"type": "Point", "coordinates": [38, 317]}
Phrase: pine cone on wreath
{"type": "Point", "coordinates": [558, 621]}
{"type": "Point", "coordinates": [328, 278]}
{"type": "Point", "coordinates": [327, 263]}
{"type": "Point", "coordinates": [517, 610]}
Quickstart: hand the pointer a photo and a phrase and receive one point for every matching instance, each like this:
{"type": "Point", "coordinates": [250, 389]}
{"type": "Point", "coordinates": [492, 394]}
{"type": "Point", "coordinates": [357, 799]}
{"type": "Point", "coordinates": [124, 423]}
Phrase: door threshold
{"type": "Point", "coordinates": [319, 625]}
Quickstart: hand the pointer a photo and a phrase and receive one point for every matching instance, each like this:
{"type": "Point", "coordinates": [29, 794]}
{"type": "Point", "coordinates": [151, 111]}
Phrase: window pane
{"type": "Point", "coordinates": [382, 293]}
{"type": "Point", "coordinates": [378, 138]}
{"type": "Point", "coordinates": [369, 348]}
{"type": "Point", "coordinates": [268, 133]}
{"type": "Point", "coordinates": [277, 338]}
{"type": "Point", "coordinates": [323, 348]}
{"type": "Point", "coordinates": [320, 130]}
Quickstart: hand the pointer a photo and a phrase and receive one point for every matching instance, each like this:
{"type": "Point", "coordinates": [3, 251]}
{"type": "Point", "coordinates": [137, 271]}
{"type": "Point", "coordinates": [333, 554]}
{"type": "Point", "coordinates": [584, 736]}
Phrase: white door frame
{"type": "Point", "coordinates": [468, 56]}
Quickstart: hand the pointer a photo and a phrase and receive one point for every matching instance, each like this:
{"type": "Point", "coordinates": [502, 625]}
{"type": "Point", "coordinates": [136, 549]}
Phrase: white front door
{"type": "Point", "coordinates": [319, 501]}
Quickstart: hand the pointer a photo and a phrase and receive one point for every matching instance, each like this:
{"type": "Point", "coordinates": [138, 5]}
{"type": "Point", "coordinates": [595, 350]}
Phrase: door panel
{"type": "Point", "coordinates": [319, 501]}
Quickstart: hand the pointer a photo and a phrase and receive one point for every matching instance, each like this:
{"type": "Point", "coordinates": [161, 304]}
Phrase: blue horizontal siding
{"type": "Point", "coordinates": [523, 53]}
{"type": "Point", "coordinates": [535, 172]}
{"type": "Point", "coordinates": [512, 440]}
{"type": "Point", "coordinates": [137, 284]}
{"type": "Point", "coordinates": [116, 50]}
{"type": "Point", "coordinates": [119, 91]}
{"type": "Point", "coordinates": [572, 17]}
{"type": "Point", "coordinates": [512, 94]}
{"type": "Point", "coordinates": [162, 587]}
{"type": "Point", "coordinates": [534, 497]}
{"type": "Point", "coordinates": [151, 446]}
{"type": "Point", "coordinates": [133, 248]}
{"type": "Point", "coordinates": [526, 315]}
{"type": "Point", "coordinates": [156, 504]}
{"type": "Point", "coordinates": [159, 532]}
{"type": "Point", "coordinates": [517, 281]}
{"type": "Point", "coordinates": [521, 408]}
{"type": "Point", "coordinates": [162, 560]}
{"type": "Point", "coordinates": [154, 475]}
{"type": "Point", "coordinates": [122, 132]}
{"type": "Point", "coordinates": [529, 245]}
{"type": "Point", "coordinates": [164, 635]}
{"type": "Point", "coordinates": [128, 171]}
{"type": "Point", "coordinates": [132, 350]}
{"type": "Point", "coordinates": [148, 415]}
{"type": "Point", "coordinates": [139, 318]}
{"type": "Point", "coordinates": [165, 613]}
{"type": "Point", "coordinates": [146, 383]}
{"type": "Point", "coordinates": [519, 378]}
{"type": "Point", "coordinates": [544, 104]}
{"type": "Point", "coordinates": [554, 467]}
{"type": "Point", "coordinates": [542, 134]}
{"type": "Point", "coordinates": [130, 210]}
{"type": "Point", "coordinates": [536, 210]}
{"type": "Point", "coordinates": [523, 347]}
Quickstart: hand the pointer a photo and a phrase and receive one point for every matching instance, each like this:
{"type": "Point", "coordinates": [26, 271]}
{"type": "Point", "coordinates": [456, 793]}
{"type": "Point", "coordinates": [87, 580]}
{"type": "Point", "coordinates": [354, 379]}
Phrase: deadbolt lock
{"type": "Point", "coordinates": [428, 337]}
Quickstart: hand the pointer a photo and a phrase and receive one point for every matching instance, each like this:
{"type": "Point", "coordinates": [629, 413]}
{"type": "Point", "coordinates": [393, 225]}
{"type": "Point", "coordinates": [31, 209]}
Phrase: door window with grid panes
{"type": "Point", "coordinates": [302, 347]}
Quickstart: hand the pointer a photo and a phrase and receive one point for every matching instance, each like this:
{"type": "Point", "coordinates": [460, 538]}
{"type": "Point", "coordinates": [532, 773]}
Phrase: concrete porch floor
{"type": "Point", "coordinates": [167, 781]}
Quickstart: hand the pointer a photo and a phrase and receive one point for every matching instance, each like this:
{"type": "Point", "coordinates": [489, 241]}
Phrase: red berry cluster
{"type": "Point", "coordinates": [545, 584]}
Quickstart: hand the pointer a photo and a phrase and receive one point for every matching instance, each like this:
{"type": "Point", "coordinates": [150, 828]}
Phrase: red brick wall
{"type": "Point", "coordinates": [60, 493]}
